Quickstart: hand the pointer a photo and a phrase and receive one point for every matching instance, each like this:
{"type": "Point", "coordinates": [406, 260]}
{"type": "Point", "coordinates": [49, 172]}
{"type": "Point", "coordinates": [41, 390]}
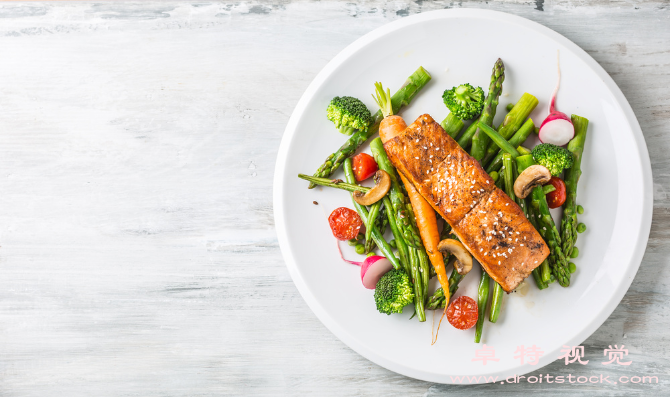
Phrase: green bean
{"type": "Point", "coordinates": [482, 299]}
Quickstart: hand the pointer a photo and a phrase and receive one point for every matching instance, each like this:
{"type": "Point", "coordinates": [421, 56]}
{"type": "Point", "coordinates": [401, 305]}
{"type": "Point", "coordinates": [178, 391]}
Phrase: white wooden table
{"type": "Point", "coordinates": [137, 146]}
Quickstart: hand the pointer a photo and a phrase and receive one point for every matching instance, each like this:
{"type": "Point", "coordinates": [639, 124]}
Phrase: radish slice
{"type": "Point", "coordinates": [372, 268]}
{"type": "Point", "coordinates": [557, 131]}
{"type": "Point", "coordinates": [557, 128]}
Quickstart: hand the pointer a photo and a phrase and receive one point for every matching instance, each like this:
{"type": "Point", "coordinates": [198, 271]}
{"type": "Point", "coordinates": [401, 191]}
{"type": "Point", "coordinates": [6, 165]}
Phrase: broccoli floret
{"type": "Point", "coordinates": [349, 114]}
{"type": "Point", "coordinates": [464, 101]}
{"type": "Point", "coordinates": [393, 292]}
{"type": "Point", "coordinates": [555, 158]}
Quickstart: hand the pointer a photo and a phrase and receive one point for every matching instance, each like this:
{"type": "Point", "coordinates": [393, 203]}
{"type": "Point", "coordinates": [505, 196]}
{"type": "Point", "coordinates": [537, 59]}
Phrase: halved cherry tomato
{"type": "Point", "coordinates": [345, 223]}
{"type": "Point", "coordinates": [364, 166]}
{"type": "Point", "coordinates": [556, 198]}
{"type": "Point", "coordinates": [462, 313]}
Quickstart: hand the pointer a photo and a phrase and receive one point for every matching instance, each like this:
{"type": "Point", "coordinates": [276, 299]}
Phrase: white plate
{"type": "Point", "coordinates": [458, 46]}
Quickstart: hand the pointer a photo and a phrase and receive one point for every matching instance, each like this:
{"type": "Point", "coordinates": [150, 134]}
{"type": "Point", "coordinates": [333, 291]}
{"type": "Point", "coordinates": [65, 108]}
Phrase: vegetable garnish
{"type": "Point", "coordinates": [556, 198]}
{"type": "Point", "coordinates": [383, 184]}
{"type": "Point", "coordinates": [462, 312]}
{"type": "Point", "coordinates": [349, 114]}
{"type": "Point", "coordinates": [557, 128]}
{"type": "Point", "coordinates": [555, 158]}
{"type": "Point", "coordinates": [393, 292]}
{"type": "Point", "coordinates": [465, 101]}
{"type": "Point", "coordinates": [364, 166]}
{"type": "Point", "coordinates": [345, 223]}
{"type": "Point", "coordinates": [372, 268]}
{"type": "Point", "coordinates": [480, 141]}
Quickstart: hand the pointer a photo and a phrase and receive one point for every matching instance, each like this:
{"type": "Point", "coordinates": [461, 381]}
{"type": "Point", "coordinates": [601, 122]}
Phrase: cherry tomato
{"type": "Point", "coordinates": [556, 198]}
{"type": "Point", "coordinates": [462, 313]}
{"type": "Point", "coordinates": [345, 223]}
{"type": "Point", "coordinates": [364, 166]}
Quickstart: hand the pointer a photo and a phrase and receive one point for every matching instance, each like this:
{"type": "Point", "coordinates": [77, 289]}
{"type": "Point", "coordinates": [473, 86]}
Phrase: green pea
{"type": "Point", "coordinates": [581, 228]}
{"type": "Point", "coordinates": [494, 176]}
{"type": "Point", "coordinates": [509, 107]}
{"type": "Point", "coordinates": [575, 253]}
{"type": "Point", "coordinates": [352, 242]}
{"type": "Point", "coordinates": [580, 209]}
{"type": "Point", "coordinates": [360, 236]}
{"type": "Point", "coordinates": [360, 249]}
{"type": "Point", "coordinates": [370, 253]}
{"type": "Point", "coordinates": [572, 267]}
{"type": "Point", "coordinates": [392, 243]}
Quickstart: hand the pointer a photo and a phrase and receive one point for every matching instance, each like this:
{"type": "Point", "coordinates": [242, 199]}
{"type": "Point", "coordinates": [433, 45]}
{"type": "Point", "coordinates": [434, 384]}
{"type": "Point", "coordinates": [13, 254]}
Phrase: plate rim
{"type": "Point", "coordinates": [342, 56]}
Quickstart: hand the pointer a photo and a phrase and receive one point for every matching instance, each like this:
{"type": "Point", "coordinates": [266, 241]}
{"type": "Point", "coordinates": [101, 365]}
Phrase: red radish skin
{"type": "Point", "coordinates": [557, 128]}
{"type": "Point", "coordinates": [372, 268]}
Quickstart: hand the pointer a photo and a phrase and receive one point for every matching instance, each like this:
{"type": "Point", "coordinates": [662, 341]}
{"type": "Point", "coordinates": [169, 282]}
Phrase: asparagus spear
{"type": "Point", "coordinates": [512, 122]}
{"type": "Point", "coordinates": [480, 140]}
{"type": "Point", "coordinates": [452, 125]}
{"type": "Point", "coordinates": [569, 222]}
{"type": "Point", "coordinates": [547, 228]}
{"type": "Point", "coordinates": [516, 140]}
{"type": "Point", "coordinates": [372, 220]}
{"type": "Point", "coordinates": [402, 97]}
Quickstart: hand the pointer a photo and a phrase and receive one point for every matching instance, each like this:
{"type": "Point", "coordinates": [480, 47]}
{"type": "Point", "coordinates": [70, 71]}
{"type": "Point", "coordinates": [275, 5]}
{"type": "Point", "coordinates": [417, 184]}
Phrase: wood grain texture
{"type": "Point", "coordinates": [138, 255]}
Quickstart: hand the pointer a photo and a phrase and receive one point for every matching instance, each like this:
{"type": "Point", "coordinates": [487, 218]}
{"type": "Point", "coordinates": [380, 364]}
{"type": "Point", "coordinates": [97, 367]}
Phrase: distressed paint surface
{"type": "Point", "coordinates": [138, 255]}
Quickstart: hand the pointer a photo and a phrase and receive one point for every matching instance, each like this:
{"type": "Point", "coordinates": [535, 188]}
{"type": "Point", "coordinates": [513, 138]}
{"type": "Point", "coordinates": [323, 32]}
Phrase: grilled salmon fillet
{"type": "Point", "coordinates": [488, 223]}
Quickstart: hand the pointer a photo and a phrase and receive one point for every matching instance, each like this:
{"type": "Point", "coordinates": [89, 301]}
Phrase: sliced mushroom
{"type": "Point", "coordinates": [531, 177]}
{"type": "Point", "coordinates": [383, 184]}
{"type": "Point", "coordinates": [463, 262]}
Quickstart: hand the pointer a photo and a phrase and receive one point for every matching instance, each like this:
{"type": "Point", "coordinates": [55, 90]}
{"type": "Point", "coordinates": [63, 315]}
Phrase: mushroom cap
{"type": "Point", "coordinates": [382, 186]}
{"type": "Point", "coordinates": [463, 263]}
{"type": "Point", "coordinates": [531, 177]}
